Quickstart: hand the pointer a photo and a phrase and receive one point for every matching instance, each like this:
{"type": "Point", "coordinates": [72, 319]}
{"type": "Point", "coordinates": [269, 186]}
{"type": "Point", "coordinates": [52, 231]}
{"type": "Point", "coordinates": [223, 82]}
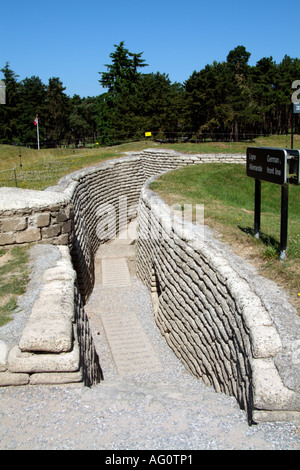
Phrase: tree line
{"type": "Point", "coordinates": [228, 100]}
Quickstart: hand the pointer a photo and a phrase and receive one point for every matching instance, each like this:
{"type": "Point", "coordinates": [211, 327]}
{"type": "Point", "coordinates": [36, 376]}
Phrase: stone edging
{"type": "Point", "coordinates": [49, 349]}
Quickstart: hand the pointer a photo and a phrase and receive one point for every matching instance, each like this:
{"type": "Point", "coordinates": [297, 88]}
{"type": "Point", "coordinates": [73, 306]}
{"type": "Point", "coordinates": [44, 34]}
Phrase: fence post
{"type": "Point", "coordinates": [16, 177]}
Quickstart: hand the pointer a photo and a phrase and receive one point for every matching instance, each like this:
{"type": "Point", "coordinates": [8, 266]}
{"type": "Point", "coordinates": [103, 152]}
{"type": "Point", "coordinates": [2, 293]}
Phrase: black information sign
{"type": "Point", "coordinates": [280, 166]}
{"type": "Point", "coordinates": [267, 164]}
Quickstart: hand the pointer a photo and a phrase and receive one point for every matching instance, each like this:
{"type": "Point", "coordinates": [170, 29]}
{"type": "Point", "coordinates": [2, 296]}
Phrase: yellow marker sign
{"type": "Point", "coordinates": [147, 134]}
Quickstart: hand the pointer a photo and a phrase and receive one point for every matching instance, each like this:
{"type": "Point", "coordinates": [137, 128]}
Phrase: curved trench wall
{"type": "Point", "coordinates": [209, 315]}
{"type": "Point", "coordinates": [108, 195]}
{"type": "Point", "coordinates": [103, 200]}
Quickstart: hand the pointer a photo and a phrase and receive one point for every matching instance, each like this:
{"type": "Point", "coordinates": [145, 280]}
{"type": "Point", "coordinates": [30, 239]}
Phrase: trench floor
{"type": "Point", "coordinates": [130, 347]}
{"type": "Point", "coordinates": [152, 400]}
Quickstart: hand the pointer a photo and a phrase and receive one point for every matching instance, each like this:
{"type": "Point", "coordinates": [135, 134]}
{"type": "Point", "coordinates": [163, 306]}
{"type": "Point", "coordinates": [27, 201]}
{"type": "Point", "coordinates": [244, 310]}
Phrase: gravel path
{"type": "Point", "coordinates": [164, 410]}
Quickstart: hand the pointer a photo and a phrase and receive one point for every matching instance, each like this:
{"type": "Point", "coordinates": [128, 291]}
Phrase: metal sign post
{"type": "Point", "coordinates": [284, 219]}
{"type": "Point", "coordinates": [279, 166]}
{"type": "Point", "coordinates": [257, 206]}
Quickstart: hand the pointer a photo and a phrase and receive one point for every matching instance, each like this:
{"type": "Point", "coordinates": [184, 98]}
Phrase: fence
{"type": "Point", "coordinates": [8, 177]}
{"type": "Point", "coordinates": [114, 138]}
{"type": "Point", "coordinates": [42, 170]}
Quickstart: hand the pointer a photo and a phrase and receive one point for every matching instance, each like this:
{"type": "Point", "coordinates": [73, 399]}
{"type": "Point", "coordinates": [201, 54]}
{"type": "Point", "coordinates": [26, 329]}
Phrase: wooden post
{"type": "Point", "coordinates": [15, 177]}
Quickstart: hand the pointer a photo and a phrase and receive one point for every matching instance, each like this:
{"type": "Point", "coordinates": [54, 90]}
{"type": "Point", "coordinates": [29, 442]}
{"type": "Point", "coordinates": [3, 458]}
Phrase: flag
{"type": "Point", "coordinates": [36, 123]}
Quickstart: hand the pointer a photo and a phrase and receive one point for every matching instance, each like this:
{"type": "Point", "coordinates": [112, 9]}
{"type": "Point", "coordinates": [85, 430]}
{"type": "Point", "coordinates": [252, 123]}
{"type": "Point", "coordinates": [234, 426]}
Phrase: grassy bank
{"type": "Point", "coordinates": [43, 168]}
{"type": "Point", "coordinates": [39, 169]}
{"type": "Point", "coordinates": [228, 198]}
{"type": "Point", "coordinates": [280, 141]}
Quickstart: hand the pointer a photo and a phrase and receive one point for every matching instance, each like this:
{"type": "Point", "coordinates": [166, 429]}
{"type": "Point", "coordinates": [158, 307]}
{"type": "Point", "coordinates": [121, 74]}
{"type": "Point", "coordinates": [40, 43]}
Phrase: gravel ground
{"type": "Point", "coordinates": [167, 410]}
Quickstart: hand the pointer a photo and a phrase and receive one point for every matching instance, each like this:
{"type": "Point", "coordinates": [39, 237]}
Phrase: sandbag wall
{"type": "Point", "coordinates": [155, 161]}
{"type": "Point", "coordinates": [210, 316]}
{"type": "Point", "coordinates": [108, 193]}
{"type": "Point", "coordinates": [104, 199]}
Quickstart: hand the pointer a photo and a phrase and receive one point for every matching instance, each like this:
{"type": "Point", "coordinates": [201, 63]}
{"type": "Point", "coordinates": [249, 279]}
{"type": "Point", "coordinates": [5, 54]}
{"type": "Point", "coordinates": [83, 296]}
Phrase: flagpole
{"type": "Point", "coordinates": [37, 131]}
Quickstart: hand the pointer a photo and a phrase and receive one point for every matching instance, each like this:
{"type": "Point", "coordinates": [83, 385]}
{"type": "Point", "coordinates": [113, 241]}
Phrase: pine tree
{"type": "Point", "coordinates": [123, 71]}
{"type": "Point", "coordinates": [117, 119]}
{"type": "Point", "coordinates": [32, 95]}
{"type": "Point", "coordinates": [9, 111]}
{"type": "Point", "coordinates": [57, 105]}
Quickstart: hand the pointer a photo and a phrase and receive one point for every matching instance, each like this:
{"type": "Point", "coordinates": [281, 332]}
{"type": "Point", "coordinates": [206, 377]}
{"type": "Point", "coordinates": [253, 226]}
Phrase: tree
{"type": "Point", "coordinates": [117, 117]}
{"type": "Point", "coordinates": [123, 71]}
{"type": "Point", "coordinates": [239, 87]}
{"type": "Point", "coordinates": [158, 105]}
{"type": "Point", "coordinates": [82, 118]}
{"type": "Point", "coordinates": [237, 59]}
{"type": "Point", "coordinates": [225, 100]}
{"type": "Point", "coordinates": [57, 111]}
{"type": "Point", "coordinates": [9, 111]}
{"type": "Point", "coordinates": [218, 98]}
{"type": "Point", "coordinates": [288, 69]}
{"type": "Point", "coordinates": [264, 78]}
{"type": "Point", "coordinates": [207, 106]}
{"type": "Point", "coordinates": [32, 95]}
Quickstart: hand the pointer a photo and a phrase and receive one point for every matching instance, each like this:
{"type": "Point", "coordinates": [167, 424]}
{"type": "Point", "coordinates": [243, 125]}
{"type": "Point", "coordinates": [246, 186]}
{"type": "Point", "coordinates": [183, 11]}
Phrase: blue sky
{"type": "Point", "coordinates": [72, 40]}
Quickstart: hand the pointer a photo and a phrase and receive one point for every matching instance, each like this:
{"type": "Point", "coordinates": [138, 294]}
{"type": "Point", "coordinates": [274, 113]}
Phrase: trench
{"type": "Point", "coordinates": [113, 315]}
{"type": "Point", "coordinates": [207, 313]}
{"type": "Point", "coordinates": [211, 314]}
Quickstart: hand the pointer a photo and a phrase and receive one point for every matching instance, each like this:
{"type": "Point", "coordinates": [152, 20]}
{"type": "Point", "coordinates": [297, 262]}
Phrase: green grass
{"type": "Point", "coordinates": [13, 279]}
{"type": "Point", "coordinates": [228, 198]}
{"type": "Point", "coordinates": [43, 168]}
{"type": "Point", "coordinates": [280, 141]}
